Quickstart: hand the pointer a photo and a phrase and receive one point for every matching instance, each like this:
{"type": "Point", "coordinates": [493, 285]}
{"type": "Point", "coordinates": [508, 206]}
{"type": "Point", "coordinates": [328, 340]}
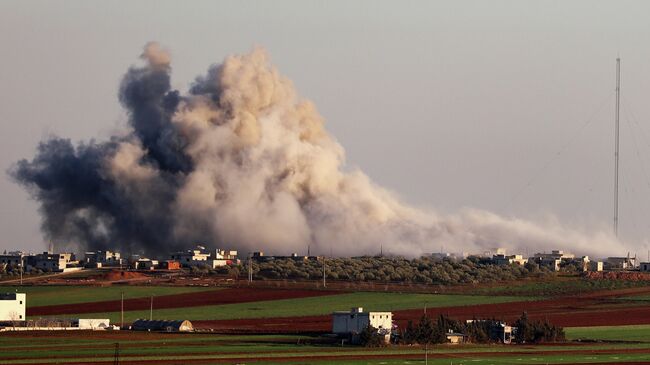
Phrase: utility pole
{"type": "Point", "coordinates": [250, 268]}
{"type": "Point", "coordinates": [116, 358]}
{"type": "Point", "coordinates": [21, 269]}
{"type": "Point", "coordinates": [324, 277]}
{"type": "Point", "coordinates": [616, 136]}
{"type": "Point", "coordinates": [122, 312]}
{"type": "Point", "coordinates": [151, 310]}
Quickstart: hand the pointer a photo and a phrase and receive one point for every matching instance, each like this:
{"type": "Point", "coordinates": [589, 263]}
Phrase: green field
{"type": "Point", "coordinates": [557, 286]}
{"type": "Point", "coordinates": [610, 333]}
{"type": "Point", "coordinates": [309, 306]}
{"type": "Point", "coordinates": [98, 347]}
{"type": "Point", "coordinates": [55, 295]}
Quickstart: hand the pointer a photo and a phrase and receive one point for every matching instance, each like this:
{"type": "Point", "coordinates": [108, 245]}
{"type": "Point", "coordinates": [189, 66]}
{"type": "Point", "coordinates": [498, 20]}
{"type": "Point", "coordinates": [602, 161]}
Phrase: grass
{"type": "Point", "coordinates": [272, 349]}
{"type": "Point", "coordinates": [309, 306]}
{"type": "Point", "coordinates": [610, 333]}
{"type": "Point", "coordinates": [558, 286]}
{"type": "Point", "coordinates": [57, 295]}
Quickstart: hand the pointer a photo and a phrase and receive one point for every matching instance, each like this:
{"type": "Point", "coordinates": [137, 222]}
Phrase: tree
{"type": "Point", "coordinates": [524, 330]}
{"type": "Point", "coordinates": [370, 337]}
{"type": "Point", "coordinates": [410, 334]}
{"type": "Point", "coordinates": [424, 332]}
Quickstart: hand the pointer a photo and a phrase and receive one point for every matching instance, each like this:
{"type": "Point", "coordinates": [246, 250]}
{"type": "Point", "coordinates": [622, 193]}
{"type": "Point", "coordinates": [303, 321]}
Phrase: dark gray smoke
{"type": "Point", "coordinates": [242, 162]}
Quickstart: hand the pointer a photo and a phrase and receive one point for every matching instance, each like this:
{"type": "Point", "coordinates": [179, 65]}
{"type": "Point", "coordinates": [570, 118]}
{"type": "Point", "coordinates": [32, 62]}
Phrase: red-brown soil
{"type": "Point", "coordinates": [116, 275]}
{"type": "Point", "coordinates": [361, 356]}
{"type": "Point", "coordinates": [212, 297]}
{"type": "Point", "coordinates": [591, 309]}
{"type": "Point", "coordinates": [618, 275]}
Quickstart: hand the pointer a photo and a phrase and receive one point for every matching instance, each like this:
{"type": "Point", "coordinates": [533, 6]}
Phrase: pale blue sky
{"type": "Point", "coordinates": [448, 103]}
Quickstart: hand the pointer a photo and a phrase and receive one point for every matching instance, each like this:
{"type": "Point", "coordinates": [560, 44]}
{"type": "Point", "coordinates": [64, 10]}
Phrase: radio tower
{"type": "Point", "coordinates": [616, 138]}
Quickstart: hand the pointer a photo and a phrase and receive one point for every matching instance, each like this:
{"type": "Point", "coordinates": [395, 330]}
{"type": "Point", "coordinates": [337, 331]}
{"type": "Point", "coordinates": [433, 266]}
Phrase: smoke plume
{"type": "Point", "coordinates": [240, 161]}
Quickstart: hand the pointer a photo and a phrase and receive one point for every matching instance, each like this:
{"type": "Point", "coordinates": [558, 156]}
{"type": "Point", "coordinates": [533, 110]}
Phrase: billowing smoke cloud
{"type": "Point", "coordinates": [241, 161]}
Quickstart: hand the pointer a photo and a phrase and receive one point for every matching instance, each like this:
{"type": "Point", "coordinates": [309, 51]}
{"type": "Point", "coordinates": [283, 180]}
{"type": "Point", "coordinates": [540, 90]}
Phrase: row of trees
{"type": "Point", "coordinates": [535, 331]}
{"type": "Point", "coordinates": [393, 269]}
{"type": "Point", "coordinates": [427, 331]}
{"type": "Point", "coordinates": [14, 270]}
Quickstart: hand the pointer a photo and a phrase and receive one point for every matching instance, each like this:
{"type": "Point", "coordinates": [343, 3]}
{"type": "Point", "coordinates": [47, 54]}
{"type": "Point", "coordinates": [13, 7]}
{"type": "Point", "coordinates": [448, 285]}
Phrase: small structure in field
{"type": "Point", "coordinates": [91, 323]}
{"type": "Point", "coordinates": [455, 338]}
{"type": "Point", "coordinates": [162, 326]}
{"type": "Point", "coordinates": [497, 331]}
{"type": "Point", "coordinates": [12, 306]}
{"type": "Point", "coordinates": [352, 323]}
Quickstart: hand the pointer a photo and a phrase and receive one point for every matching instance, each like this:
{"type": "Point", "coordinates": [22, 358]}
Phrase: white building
{"type": "Point", "coordinates": [146, 264]}
{"type": "Point", "coordinates": [621, 263]}
{"type": "Point", "coordinates": [356, 320]}
{"type": "Point", "coordinates": [48, 261]}
{"type": "Point", "coordinates": [103, 258]}
{"type": "Point", "coordinates": [502, 259]}
{"type": "Point", "coordinates": [202, 257]}
{"type": "Point", "coordinates": [552, 260]}
{"type": "Point", "coordinates": [595, 266]}
{"type": "Point", "coordinates": [12, 306]}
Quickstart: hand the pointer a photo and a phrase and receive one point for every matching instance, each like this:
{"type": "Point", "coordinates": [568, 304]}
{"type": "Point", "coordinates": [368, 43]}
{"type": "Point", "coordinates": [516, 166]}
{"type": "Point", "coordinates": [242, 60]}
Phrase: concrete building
{"type": "Point", "coordinates": [644, 266]}
{"type": "Point", "coordinates": [144, 263]}
{"type": "Point", "coordinates": [202, 257]}
{"type": "Point", "coordinates": [501, 332]}
{"type": "Point", "coordinates": [497, 331]}
{"type": "Point", "coordinates": [501, 259]}
{"type": "Point", "coordinates": [621, 263]}
{"type": "Point", "coordinates": [48, 261]}
{"type": "Point", "coordinates": [103, 258]}
{"type": "Point", "coordinates": [356, 320]}
{"type": "Point", "coordinates": [551, 260]}
{"type": "Point", "coordinates": [12, 259]}
{"type": "Point", "coordinates": [595, 266]}
{"type": "Point", "coordinates": [12, 306]}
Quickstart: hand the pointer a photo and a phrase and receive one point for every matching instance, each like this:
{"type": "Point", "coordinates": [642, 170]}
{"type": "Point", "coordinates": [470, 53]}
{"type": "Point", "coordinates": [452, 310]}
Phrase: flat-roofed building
{"type": "Point", "coordinates": [356, 320]}
{"type": "Point", "coordinates": [621, 263]}
{"type": "Point", "coordinates": [502, 259]}
{"type": "Point", "coordinates": [202, 257]}
{"type": "Point", "coordinates": [12, 306]}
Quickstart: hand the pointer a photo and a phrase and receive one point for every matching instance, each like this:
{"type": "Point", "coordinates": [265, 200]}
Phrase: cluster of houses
{"type": "Point", "coordinates": [46, 261]}
{"type": "Point", "coordinates": [554, 260]}
{"type": "Point", "coordinates": [202, 257]}
{"type": "Point", "coordinates": [64, 262]}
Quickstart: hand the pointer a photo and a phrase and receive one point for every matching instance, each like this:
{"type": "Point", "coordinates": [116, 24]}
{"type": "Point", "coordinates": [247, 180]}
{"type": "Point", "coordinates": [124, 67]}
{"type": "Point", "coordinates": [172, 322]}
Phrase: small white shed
{"type": "Point", "coordinates": [92, 323]}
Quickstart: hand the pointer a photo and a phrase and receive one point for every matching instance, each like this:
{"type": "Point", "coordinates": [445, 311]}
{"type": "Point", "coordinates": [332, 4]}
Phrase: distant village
{"type": "Point", "coordinates": [357, 326]}
{"type": "Point", "coordinates": [199, 256]}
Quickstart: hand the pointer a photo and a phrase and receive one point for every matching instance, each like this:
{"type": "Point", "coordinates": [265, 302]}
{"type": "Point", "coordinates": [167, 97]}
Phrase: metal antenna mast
{"type": "Point", "coordinates": [616, 136]}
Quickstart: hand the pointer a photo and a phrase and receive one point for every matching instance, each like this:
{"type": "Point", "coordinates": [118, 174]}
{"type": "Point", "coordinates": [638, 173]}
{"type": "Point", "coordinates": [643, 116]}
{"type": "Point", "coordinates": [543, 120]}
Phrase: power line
{"type": "Point", "coordinates": [538, 173]}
